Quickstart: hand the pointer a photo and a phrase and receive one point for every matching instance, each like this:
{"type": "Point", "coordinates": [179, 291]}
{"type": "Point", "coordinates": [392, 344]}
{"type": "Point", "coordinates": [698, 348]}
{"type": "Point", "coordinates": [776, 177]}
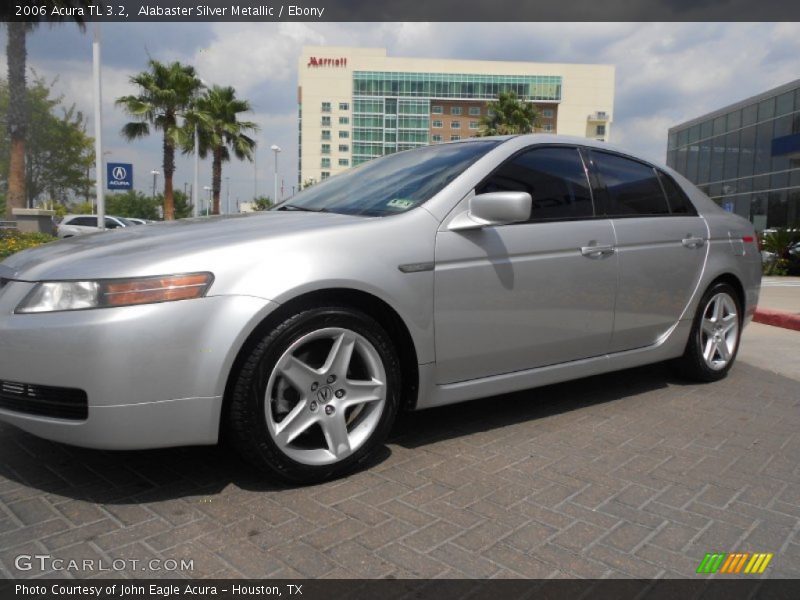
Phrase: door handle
{"type": "Point", "coordinates": [596, 251]}
{"type": "Point", "coordinates": [692, 242]}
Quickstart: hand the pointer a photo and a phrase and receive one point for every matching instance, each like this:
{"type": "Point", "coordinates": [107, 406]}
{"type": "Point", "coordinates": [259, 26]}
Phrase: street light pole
{"type": "Point", "coordinates": [208, 204]}
{"type": "Point", "coordinates": [228, 196]}
{"type": "Point", "coordinates": [98, 131]}
{"type": "Point", "coordinates": [196, 186]}
{"type": "Point", "coordinates": [276, 149]}
{"type": "Point", "coordinates": [155, 173]}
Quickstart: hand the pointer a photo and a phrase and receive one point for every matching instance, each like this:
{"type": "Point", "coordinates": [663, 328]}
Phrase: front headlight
{"type": "Point", "coordinates": [52, 296]}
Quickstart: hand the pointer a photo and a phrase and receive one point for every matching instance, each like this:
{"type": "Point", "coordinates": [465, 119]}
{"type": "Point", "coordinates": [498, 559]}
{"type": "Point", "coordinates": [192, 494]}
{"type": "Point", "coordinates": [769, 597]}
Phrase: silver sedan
{"type": "Point", "coordinates": [420, 279]}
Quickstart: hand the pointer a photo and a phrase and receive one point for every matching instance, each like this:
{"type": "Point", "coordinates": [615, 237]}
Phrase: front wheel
{"type": "Point", "coordinates": [317, 395]}
{"type": "Point", "coordinates": [714, 340]}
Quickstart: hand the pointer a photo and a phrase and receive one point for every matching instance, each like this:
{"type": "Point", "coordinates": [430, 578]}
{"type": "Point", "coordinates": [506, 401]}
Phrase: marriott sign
{"type": "Point", "coordinates": [316, 61]}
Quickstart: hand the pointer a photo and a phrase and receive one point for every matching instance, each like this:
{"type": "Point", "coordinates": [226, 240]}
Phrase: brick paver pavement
{"type": "Point", "coordinates": [628, 474]}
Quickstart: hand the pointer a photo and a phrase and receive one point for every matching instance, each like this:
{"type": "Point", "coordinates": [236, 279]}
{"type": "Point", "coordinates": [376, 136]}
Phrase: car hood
{"type": "Point", "coordinates": [142, 250]}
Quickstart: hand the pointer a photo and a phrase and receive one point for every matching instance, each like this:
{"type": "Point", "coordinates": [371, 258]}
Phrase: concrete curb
{"type": "Point", "coordinates": [777, 318]}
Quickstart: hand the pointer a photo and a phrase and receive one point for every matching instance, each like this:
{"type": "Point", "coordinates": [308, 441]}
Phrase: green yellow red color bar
{"type": "Point", "coordinates": [735, 562]}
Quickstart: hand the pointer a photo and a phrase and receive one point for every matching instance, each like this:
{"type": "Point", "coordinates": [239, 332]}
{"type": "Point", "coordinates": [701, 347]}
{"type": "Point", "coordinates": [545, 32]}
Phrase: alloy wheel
{"type": "Point", "coordinates": [325, 396]}
{"type": "Point", "coordinates": [719, 331]}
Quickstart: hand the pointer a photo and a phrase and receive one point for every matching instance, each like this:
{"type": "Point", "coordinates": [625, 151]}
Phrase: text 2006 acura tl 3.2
{"type": "Point", "coordinates": [419, 279]}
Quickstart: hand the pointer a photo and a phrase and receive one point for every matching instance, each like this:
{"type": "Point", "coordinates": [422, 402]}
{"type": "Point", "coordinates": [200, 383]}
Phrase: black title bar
{"type": "Point", "coordinates": [402, 10]}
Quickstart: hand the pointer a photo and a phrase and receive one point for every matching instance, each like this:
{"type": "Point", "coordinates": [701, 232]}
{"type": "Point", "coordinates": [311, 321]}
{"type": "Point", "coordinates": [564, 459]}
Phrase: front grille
{"type": "Point", "coordinates": [44, 400]}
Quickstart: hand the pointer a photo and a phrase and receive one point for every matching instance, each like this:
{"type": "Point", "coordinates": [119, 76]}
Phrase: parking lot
{"type": "Point", "coordinates": [633, 474]}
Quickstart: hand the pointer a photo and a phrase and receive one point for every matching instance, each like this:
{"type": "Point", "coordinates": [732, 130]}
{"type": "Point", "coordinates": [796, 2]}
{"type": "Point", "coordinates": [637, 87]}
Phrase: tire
{"type": "Point", "coordinates": [302, 409]}
{"type": "Point", "coordinates": [713, 344]}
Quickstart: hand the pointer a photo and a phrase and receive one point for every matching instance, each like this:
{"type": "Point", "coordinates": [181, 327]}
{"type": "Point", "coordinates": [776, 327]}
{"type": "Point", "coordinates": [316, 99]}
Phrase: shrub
{"type": "Point", "coordinates": [12, 241]}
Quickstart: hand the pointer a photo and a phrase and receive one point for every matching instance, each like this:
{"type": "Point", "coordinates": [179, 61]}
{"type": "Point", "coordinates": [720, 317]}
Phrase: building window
{"type": "Point", "coordinates": [474, 111]}
{"type": "Point", "coordinates": [437, 110]}
{"type": "Point", "coordinates": [326, 121]}
{"type": "Point", "coordinates": [547, 113]}
{"type": "Point", "coordinates": [601, 130]}
{"type": "Point", "coordinates": [324, 175]}
{"type": "Point", "coordinates": [547, 127]}
{"type": "Point", "coordinates": [473, 124]}
{"type": "Point", "coordinates": [326, 107]}
{"type": "Point", "coordinates": [344, 162]}
{"type": "Point", "coordinates": [326, 163]}
{"type": "Point", "coordinates": [326, 148]}
{"type": "Point", "coordinates": [455, 124]}
{"type": "Point", "coordinates": [326, 134]}
{"type": "Point", "coordinates": [344, 148]}
{"type": "Point", "coordinates": [437, 124]}
{"type": "Point", "coordinates": [344, 134]}
{"type": "Point", "coordinates": [344, 106]}
{"type": "Point", "coordinates": [455, 110]}
{"type": "Point", "coordinates": [436, 138]}
{"type": "Point", "coordinates": [344, 120]}
{"type": "Point", "coordinates": [455, 138]}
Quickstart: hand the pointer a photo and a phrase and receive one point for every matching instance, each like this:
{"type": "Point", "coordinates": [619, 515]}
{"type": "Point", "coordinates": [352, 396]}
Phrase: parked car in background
{"type": "Point", "coordinates": [72, 225]}
{"type": "Point", "coordinates": [138, 221]}
{"type": "Point", "coordinates": [419, 279]}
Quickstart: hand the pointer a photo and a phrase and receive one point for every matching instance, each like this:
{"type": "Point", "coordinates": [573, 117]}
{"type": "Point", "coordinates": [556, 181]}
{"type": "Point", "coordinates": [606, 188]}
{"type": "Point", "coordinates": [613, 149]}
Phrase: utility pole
{"type": "Point", "coordinates": [98, 130]}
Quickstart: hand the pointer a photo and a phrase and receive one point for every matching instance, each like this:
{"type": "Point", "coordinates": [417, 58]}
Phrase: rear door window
{"type": "Point", "coordinates": [84, 221]}
{"type": "Point", "coordinates": [626, 187]}
{"type": "Point", "coordinates": [679, 203]}
{"type": "Point", "coordinates": [555, 178]}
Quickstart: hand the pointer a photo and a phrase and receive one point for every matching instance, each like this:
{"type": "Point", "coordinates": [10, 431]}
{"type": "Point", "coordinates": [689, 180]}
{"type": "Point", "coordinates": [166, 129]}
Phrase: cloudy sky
{"type": "Point", "coordinates": [666, 72]}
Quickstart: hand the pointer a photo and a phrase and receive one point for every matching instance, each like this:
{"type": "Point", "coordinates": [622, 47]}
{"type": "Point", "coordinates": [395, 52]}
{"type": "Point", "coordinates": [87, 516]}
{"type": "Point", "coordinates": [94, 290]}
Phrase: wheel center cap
{"type": "Point", "coordinates": [325, 394]}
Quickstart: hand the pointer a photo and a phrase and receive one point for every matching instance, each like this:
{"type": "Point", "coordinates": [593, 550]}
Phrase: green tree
{"type": "Point", "coordinates": [307, 183]}
{"type": "Point", "coordinates": [508, 115]}
{"type": "Point", "coordinates": [58, 153]}
{"type": "Point", "coordinates": [215, 116]}
{"type": "Point", "coordinates": [17, 119]}
{"type": "Point", "coordinates": [132, 204]}
{"type": "Point", "coordinates": [262, 203]}
{"type": "Point", "coordinates": [166, 92]}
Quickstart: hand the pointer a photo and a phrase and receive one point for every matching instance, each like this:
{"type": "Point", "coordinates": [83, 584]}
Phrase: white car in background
{"type": "Point", "coordinates": [73, 225]}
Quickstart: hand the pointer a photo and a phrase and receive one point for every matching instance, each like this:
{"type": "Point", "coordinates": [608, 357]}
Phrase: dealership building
{"type": "Point", "coordinates": [746, 156]}
{"type": "Point", "coordinates": [358, 103]}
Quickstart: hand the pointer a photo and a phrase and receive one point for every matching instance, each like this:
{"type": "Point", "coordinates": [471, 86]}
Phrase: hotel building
{"type": "Point", "coordinates": [355, 104]}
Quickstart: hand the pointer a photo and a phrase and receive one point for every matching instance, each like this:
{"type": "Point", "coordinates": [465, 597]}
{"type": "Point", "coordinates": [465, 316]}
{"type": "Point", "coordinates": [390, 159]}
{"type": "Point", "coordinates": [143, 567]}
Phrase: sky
{"type": "Point", "coordinates": [666, 73]}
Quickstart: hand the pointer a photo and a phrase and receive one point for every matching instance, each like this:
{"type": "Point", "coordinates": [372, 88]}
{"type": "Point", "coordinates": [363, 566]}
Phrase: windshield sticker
{"type": "Point", "coordinates": [399, 203]}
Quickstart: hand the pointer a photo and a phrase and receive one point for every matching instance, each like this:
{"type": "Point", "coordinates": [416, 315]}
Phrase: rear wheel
{"type": "Point", "coordinates": [714, 340]}
{"type": "Point", "coordinates": [317, 395]}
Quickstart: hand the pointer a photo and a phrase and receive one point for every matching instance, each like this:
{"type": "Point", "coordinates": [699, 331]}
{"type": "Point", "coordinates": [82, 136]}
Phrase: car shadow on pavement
{"type": "Point", "coordinates": [417, 429]}
{"type": "Point", "coordinates": [132, 477]}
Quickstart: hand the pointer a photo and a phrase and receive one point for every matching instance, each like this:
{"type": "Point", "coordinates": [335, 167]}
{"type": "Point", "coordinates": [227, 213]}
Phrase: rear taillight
{"type": "Point", "coordinates": [748, 239]}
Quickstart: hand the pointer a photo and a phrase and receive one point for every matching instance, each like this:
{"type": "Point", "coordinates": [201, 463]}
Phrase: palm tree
{"type": "Point", "coordinates": [507, 115]}
{"type": "Point", "coordinates": [215, 114]}
{"type": "Point", "coordinates": [16, 58]}
{"type": "Point", "coordinates": [166, 92]}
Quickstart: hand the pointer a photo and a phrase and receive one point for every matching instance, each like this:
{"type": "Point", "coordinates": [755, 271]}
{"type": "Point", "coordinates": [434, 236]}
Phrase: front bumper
{"type": "Point", "coordinates": [154, 375]}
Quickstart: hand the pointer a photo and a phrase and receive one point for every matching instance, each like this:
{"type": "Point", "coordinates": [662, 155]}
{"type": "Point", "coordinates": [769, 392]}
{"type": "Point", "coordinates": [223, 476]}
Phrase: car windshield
{"type": "Point", "coordinates": [391, 184]}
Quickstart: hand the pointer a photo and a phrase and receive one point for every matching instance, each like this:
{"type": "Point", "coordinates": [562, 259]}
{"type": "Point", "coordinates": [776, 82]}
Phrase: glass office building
{"type": "Point", "coordinates": [355, 104]}
{"type": "Point", "coordinates": [746, 156]}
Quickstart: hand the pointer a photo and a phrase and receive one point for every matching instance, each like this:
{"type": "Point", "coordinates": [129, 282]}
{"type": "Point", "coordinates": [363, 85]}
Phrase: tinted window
{"type": "Point", "coordinates": [679, 203]}
{"type": "Point", "coordinates": [555, 179]}
{"type": "Point", "coordinates": [628, 187]}
{"type": "Point", "coordinates": [84, 221]}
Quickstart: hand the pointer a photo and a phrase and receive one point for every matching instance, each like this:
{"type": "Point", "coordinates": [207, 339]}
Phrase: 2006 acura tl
{"type": "Point", "coordinates": [423, 278]}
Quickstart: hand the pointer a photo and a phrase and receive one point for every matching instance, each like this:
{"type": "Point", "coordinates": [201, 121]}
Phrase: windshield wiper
{"type": "Point", "coordinates": [303, 208]}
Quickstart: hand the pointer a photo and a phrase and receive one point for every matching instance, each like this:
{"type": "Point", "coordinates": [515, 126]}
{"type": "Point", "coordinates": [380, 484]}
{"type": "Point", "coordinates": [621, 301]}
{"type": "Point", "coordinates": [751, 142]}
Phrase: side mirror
{"type": "Point", "coordinates": [493, 208]}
